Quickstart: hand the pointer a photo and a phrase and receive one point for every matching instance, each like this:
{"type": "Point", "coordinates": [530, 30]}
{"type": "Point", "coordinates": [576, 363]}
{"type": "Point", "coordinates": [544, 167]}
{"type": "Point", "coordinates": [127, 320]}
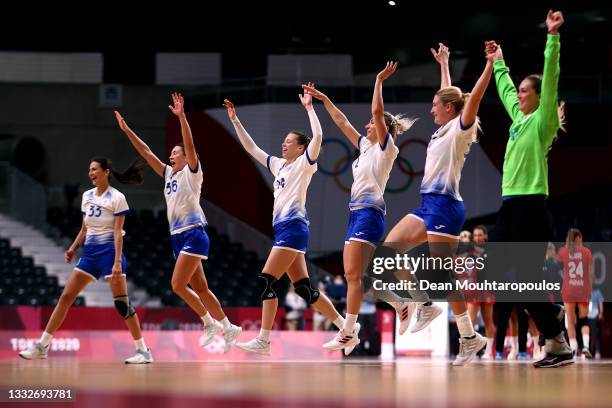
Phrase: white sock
{"type": "Point", "coordinates": [226, 323]}
{"type": "Point", "coordinates": [464, 324]}
{"type": "Point", "coordinates": [339, 322]}
{"type": "Point", "coordinates": [264, 334]}
{"type": "Point", "coordinates": [349, 322]}
{"type": "Point", "coordinates": [140, 344]}
{"type": "Point", "coordinates": [207, 319]}
{"type": "Point", "coordinates": [45, 339]}
{"type": "Point", "coordinates": [586, 341]}
{"type": "Point", "coordinates": [574, 344]}
{"type": "Point", "coordinates": [514, 344]}
{"type": "Point", "coordinates": [489, 348]}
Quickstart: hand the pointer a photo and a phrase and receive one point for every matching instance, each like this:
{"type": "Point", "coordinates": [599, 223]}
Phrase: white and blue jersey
{"type": "Point", "coordinates": [371, 172]}
{"type": "Point", "coordinates": [291, 183]}
{"type": "Point", "coordinates": [445, 158]}
{"type": "Point", "coordinates": [289, 218]}
{"type": "Point", "coordinates": [185, 215]}
{"type": "Point", "coordinates": [99, 212]}
{"type": "Point", "coordinates": [182, 192]}
{"type": "Point", "coordinates": [442, 208]}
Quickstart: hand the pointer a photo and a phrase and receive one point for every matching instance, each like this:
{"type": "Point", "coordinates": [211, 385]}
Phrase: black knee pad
{"type": "Point", "coordinates": [583, 321]}
{"type": "Point", "coordinates": [266, 286]}
{"type": "Point", "coordinates": [306, 291]}
{"type": "Point", "coordinates": [124, 307]}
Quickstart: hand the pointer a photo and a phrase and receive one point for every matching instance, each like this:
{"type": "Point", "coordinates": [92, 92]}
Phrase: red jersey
{"type": "Point", "coordinates": [577, 269]}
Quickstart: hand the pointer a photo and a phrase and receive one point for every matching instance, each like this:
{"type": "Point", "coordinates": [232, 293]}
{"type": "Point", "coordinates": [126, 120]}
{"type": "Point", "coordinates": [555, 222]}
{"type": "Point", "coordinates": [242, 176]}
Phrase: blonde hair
{"type": "Point", "coordinates": [453, 95]}
{"type": "Point", "coordinates": [561, 114]}
{"type": "Point", "coordinates": [456, 97]}
{"type": "Point", "coordinates": [399, 123]}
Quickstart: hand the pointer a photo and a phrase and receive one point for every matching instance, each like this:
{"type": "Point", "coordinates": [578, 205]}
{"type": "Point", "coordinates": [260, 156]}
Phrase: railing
{"type": "Point", "coordinates": [22, 197]}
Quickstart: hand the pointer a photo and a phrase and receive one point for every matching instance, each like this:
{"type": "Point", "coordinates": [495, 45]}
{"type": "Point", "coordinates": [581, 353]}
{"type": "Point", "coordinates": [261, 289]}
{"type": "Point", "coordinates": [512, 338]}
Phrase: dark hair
{"type": "Point", "coordinates": [302, 139]}
{"type": "Point", "coordinates": [482, 228]}
{"type": "Point", "coordinates": [131, 175]}
{"type": "Point", "coordinates": [570, 241]}
{"type": "Point", "coordinates": [536, 84]}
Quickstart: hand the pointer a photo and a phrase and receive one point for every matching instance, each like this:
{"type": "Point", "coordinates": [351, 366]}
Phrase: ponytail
{"type": "Point", "coordinates": [399, 123]}
{"type": "Point", "coordinates": [132, 175]}
{"type": "Point", "coordinates": [570, 241]}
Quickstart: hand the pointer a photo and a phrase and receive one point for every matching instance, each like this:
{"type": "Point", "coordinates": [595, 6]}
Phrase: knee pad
{"type": "Point", "coordinates": [124, 307]}
{"type": "Point", "coordinates": [583, 321]}
{"type": "Point", "coordinates": [266, 286]}
{"type": "Point", "coordinates": [306, 291]}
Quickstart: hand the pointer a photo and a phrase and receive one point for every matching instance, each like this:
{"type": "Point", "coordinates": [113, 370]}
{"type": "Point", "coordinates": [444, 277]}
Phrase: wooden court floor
{"type": "Point", "coordinates": [350, 383]}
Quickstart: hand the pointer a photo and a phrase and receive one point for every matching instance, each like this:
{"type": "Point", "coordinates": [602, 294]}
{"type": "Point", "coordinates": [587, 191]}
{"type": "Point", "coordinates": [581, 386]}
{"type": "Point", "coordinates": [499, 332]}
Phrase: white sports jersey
{"type": "Point", "coordinates": [182, 192]}
{"type": "Point", "coordinates": [99, 214]}
{"type": "Point", "coordinates": [371, 172]}
{"type": "Point", "coordinates": [290, 186]}
{"type": "Point", "coordinates": [445, 158]}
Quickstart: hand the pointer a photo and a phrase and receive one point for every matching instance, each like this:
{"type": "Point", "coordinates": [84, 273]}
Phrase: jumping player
{"type": "Point", "coordinates": [190, 243]}
{"type": "Point", "coordinates": [292, 174]}
{"type": "Point", "coordinates": [440, 218]}
{"type": "Point", "coordinates": [366, 226]}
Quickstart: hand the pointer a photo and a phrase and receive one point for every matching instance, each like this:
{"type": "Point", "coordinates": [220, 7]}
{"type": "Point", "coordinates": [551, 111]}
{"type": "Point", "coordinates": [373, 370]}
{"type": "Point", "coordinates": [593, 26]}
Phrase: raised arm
{"type": "Point", "coordinates": [78, 242]}
{"type": "Point", "coordinates": [442, 56]}
{"type": "Point", "coordinates": [550, 78]}
{"type": "Point", "coordinates": [470, 110]}
{"type": "Point", "coordinates": [245, 139]}
{"type": "Point", "coordinates": [314, 147]}
{"type": "Point", "coordinates": [336, 114]}
{"type": "Point", "coordinates": [141, 147]}
{"type": "Point", "coordinates": [505, 86]}
{"type": "Point", "coordinates": [178, 108]}
{"type": "Point", "coordinates": [378, 107]}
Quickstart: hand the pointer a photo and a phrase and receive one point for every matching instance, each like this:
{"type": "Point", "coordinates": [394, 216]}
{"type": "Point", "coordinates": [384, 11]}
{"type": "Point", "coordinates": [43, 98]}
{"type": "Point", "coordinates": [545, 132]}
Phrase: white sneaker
{"type": "Point", "coordinates": [468, 348]}
{"type": "Point", "coordinates": [425, 315]}
{"type": "Point", "coordinates": [37, 351]}
{"type": "Point", "coordinates": [405, 315]}
{"type": "Point", "coordinates": [342, 339]}
{"type": "Point", "coordinates": [486, 356]}
{"type": "Point", "coordinates": [538, 353]}
{"type": "Point", "coordinates": [513, 355]}
{"type": "Point", "coordinates": [230, 335]}
{"type": "Point", "coordinates": [348, 350]}
{"type": "Point", "coordinates": [210, 331]}
{"type": "Point", "coordinates": [141, 357]}
{"type": "Point", "coordinates": [256, 345]}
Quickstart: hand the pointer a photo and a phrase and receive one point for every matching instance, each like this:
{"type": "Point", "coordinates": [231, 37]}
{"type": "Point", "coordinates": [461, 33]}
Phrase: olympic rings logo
{"type": "Point", "coordinates": [344, 163]}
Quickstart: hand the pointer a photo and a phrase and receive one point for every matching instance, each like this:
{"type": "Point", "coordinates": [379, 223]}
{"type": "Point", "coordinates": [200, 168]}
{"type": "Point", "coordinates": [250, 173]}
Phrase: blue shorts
{"type": "Point", "coordinates": [97, 260]}
{"type": "Point", "coordinates": [291, 234]}
{"type": "Point", "coordinates": [441, 214]}
{"type": "Point", "coordinates": [192, 242]}
{"type": "Point", "coordinates": [365, 225]}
